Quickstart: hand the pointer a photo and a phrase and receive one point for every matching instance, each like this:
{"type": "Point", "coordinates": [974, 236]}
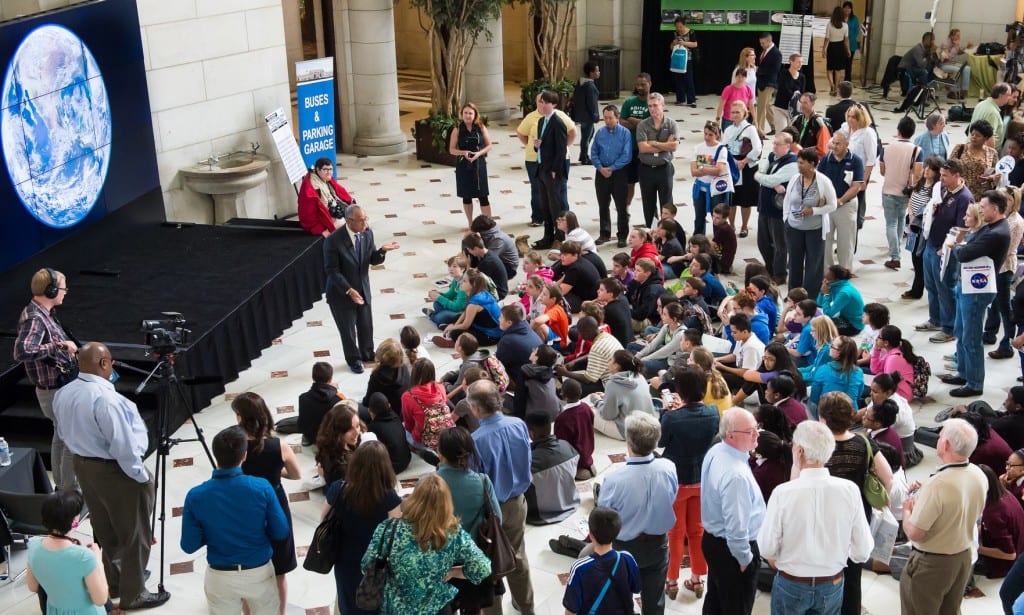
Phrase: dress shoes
{"type": "Point", "coordinates": [1000, 354]}
{"type": "Point", "coordinates": [543, 244]}
{"type": "Point", "coordinates": [965, 392]}
{"type": "Point", "coordinates": [952, 379]}
{"type": "Point", "coordinates": [356, 367]}
{"type": "Point", "coordinates": [147, 600]}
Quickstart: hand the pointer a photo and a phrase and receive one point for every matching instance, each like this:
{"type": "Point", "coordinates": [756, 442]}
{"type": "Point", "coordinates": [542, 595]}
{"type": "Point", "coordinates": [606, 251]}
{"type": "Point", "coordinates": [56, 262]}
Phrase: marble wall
{"type": "Point", "coordinates": [10, 9]}
{"type": "Point", "coordinates": [215, 68]}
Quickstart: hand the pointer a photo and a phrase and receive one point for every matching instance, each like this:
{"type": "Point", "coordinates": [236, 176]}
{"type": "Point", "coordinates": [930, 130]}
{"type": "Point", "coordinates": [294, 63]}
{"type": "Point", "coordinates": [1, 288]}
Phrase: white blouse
{"type": "Point", "coordinates": [836, 35]}
{"type": "Point", "coordinates": [864, 143]}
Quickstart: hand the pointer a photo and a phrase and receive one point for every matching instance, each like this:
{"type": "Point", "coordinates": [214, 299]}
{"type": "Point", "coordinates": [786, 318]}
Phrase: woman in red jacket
{"type": "Point", "coordinates": [318, 196]}
{"type": "Point", "coordinates": [641, 245]}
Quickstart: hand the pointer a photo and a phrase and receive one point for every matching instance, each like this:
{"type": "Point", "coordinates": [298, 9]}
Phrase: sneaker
{"type": "Point", "coordinates": [951, 367]}
{"type": "Point", "coordinates": [443, 342]}
{"type": "Point", "coordinates": [927, 326]}
{"type": "Point", "coordinates": [949, 357]}
{"type": "Point", "coordinates": [941, 338]}
{"type": "Point", "coordinates": [428, 312]}
{"type": "Point", "coordinates": [942, 415]}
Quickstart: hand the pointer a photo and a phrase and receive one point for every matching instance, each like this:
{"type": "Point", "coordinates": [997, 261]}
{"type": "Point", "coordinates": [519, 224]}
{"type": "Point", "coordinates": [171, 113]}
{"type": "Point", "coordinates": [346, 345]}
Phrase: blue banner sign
{"type": "Point", "coordinates": [315, 90]}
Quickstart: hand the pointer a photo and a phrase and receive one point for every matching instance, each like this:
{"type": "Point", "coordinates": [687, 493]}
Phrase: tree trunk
{"type": "Point", "coordinates": [551, 42]}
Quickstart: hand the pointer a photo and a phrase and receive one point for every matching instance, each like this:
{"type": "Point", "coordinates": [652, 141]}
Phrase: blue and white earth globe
{"type": "Point", "coordinates": [55, 126]}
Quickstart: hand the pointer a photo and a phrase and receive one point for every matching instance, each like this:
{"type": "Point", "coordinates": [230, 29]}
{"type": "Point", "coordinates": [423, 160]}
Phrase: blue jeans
{"type": "Point", "coordinates": [941, 302]}
{"type": "Point", "coordinates": [653, 366]}
{"type": "Point", "coordinates": [969, 323]}
{"type": "Point", "coordinates": [1013, 586]}
{"type": "Point", "coordinates": [895, 210]}
{"type": "Point", "coordinates": [536, 213]}
{"type": "Point", "coordinates": [999, 311]}
{"type": "Point", "coordinates": [443, 317]}
{"type": "Point", "coordinates": [793, 598]}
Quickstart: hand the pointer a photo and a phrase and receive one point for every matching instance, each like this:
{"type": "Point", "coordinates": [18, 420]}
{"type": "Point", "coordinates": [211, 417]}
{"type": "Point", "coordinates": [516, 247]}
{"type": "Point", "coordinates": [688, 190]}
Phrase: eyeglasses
{"type": "Point", "coordinates": [63, 288]}
{"type": "Point", "coordinates": [1014, 465]}
{"type": "Point", "coordinates": [750, 432]}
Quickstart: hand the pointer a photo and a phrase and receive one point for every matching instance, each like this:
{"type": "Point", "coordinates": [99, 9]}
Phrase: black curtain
{"type": "Point", "coordinates": [719, 51]}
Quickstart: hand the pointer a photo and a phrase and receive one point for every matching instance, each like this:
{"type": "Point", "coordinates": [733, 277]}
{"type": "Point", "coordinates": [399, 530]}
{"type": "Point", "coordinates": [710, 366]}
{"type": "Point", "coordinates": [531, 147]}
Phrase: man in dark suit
{"type": "Point", "coordinates": [348, 254]}
{"type": "Point", "coordinates": [551, 144]}
{"type": "Point", "coordinates": [769, 63]}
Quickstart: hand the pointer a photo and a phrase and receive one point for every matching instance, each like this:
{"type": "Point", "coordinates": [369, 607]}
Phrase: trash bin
{"type": "Point", "coordinates": [607, 58]}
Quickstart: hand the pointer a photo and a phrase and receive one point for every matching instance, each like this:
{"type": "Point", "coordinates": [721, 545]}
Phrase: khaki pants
{"type": "Point", "coordinates": [781, 117]}
{"type": "Point", "coordinates": [513, 521]}
{"type": "Point", "coordinates": [933, 584]}
{"type": "Point", "coordinates": [765, 98]}
{"type": "Point", "coordinates": [225, 591]}
{"type": "Point", "coordinates": [121, 510]}
{"type": "Point", "coordinates": [842, 237]}
{"type": "Point", "coordinates": [60, 456]}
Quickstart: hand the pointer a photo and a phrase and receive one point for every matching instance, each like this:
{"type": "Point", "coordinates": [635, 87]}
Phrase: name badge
{"type": "Point", "coordinates": [848, 177]}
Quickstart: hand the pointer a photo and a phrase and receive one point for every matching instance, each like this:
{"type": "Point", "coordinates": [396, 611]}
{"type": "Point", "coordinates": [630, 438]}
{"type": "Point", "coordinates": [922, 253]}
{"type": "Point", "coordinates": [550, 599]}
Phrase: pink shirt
{"type": "Point", "coordinates": [731, 94]}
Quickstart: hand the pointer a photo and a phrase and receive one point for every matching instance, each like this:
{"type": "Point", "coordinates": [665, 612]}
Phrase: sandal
{"type": "Point", "coordinates": [697, 587]}
{"type": "Point", "coordinates": [744, 233]}
{"type": "Point", "coordinates": [672, 589]}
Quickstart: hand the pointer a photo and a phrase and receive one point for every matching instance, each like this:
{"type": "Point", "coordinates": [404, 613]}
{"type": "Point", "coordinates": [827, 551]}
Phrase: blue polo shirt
{"type": "Point", "coordinates": [235, 516]}
{"type": "Point", "coordinates": [842, 172]}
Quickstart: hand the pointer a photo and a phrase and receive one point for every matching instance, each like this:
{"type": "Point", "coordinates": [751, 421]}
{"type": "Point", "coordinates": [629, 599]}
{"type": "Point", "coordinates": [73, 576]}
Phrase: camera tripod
{"type": "Point", "coordinates": [168, 386]}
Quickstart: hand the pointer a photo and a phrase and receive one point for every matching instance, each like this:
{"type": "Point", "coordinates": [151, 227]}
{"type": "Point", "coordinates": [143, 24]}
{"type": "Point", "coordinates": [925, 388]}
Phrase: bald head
{"type": "Point", "coordinates": [94, 358]}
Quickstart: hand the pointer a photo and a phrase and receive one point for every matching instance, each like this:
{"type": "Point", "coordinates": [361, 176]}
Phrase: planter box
{"type": "Point", "coordinates": [425, 149]}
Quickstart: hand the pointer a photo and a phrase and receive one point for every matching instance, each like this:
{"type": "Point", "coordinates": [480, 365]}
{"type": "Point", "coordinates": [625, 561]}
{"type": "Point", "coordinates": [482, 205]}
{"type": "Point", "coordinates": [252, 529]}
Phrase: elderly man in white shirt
{"type": "Point", "coordinates": [813, 524]}
{"type": "Point", "coordinates": [108, 438]}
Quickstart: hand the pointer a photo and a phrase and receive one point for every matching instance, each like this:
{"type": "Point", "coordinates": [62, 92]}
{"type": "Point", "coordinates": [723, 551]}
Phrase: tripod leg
{"type": "Point", "coordinates": [163, 520]}
{"type": "Point", "coordinates": [192, 419]}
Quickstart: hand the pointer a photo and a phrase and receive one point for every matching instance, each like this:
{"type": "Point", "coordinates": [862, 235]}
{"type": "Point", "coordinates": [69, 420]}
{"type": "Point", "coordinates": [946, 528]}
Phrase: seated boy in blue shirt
{"type": "Point", "coordinates": [606, 577]}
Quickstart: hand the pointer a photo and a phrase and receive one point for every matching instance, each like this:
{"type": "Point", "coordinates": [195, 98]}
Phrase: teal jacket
{"type": "Point", "coordinates": [453, 299]}
{"type": "Point", "coordinates": [828, 378]}
{"type": "Point", "coordinates": [843, 301]}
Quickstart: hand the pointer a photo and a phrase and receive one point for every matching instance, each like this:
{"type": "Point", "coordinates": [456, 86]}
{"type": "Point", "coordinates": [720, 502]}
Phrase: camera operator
{"type": "Point", "coordinates": [48, 354]}
{"type": "Point", "coordinates": [108, 438]}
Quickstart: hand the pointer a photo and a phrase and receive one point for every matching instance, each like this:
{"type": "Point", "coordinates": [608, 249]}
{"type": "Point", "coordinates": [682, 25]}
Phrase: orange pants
{"type": "Point", "coordinates": [688, 527]}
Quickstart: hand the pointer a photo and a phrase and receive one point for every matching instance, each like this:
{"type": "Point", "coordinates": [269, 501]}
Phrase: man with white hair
{"type": "Point", "coordinates": [939, 518]}
{"type": "Point", "coordinates": [732, 510]}
{"type": "Point", "coordinates": [643, 493]}
{"type": "Point", "coordinates": [812, 526]}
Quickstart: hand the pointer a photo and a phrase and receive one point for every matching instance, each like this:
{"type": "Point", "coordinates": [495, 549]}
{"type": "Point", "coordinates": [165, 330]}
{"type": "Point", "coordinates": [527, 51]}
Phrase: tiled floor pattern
{"type": "Point", "coordinates": [413, 203]}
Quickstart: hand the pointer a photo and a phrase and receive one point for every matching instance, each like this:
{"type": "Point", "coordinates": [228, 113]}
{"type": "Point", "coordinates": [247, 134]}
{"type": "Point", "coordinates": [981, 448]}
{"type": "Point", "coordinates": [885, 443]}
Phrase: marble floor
{"type": "Point", "coordinates": [415, 204]}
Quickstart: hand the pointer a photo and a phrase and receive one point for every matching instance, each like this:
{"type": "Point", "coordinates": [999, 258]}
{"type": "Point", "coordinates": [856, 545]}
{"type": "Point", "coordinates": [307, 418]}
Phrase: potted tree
{"type": "Point", "coordinates": [453, 30]}
{"type": "Point", "coordinates": [550, 30]}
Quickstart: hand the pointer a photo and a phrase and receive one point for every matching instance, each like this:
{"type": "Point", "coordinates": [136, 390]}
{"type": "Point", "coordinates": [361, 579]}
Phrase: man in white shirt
{"type": "Point", "coordinates": [746, 354]}
{"type": "Point", "coordinates": [813, 524]}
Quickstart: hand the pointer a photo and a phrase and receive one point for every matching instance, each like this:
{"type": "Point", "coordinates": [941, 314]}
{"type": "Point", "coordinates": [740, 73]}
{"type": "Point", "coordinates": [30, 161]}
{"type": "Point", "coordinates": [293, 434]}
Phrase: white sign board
{"type": "Point", "coordinates": [797, 32]}
{"type": "Point", "coordinates": [287, 148]}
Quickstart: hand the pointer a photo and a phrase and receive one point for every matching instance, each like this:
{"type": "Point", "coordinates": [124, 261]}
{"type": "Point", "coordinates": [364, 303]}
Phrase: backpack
{"type": "Point", "coordinates": [497, 372]}
{"type": "Point", "coordinates": [734, 170]}
{"type": "Point", "coordinates": [922, 372]}
{"type": "Point", "coordinates": [436, 418]}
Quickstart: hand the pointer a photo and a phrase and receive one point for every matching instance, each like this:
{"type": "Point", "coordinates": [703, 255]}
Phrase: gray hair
{"type": "Point", "coordinates": [932, 121]}
{"type": "Point", "coordinates": [351, 211]}
{"type": "Point", "coordinates": [656, 96]}
{"type": "Point", "coordinates": [642, 433]}
{"type": "Point", "coordinates": [728, 420]}
{"type": "Point", "coordinates": [961, 435]}
{"type": "Point", "coordinates": [485, 397]}
{"type": "Point", "coordinates": [817, 441]}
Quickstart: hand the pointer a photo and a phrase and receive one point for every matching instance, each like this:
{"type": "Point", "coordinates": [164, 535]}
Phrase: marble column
{"type": "Point", "coordinates": [368, 76]}
{"type": "Point", "coordinates": [485, 75]}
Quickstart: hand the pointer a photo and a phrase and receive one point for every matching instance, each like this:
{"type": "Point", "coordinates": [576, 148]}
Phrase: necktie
{"type": "Point", "coordinates": [540, 134]}
{"type": "Point", "coordinates": [762, 56]}
{"type": "Point", "coordinates": [359, 246]}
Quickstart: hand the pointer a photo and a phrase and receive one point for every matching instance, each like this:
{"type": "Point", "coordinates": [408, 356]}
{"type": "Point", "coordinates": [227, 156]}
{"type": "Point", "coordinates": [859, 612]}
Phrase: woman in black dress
{"type": "Point", "coordinates": [850, 461]}
{"type": "Point", "coordinates": [364, 499]}
{"type": "Point", "coordinates": [268, 459]}
{"type": "Point", "coordinates": [470, 142]}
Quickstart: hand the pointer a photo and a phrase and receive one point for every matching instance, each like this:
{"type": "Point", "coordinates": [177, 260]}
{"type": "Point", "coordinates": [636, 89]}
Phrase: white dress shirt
{"type": "Point", "coordinates": [814, 524]}
{"type": "Point", "coordinates": [94, 420]}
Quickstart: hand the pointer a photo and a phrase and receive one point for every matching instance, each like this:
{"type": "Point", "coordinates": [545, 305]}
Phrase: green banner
{"type": "Point", "coordinates": [704, 15]}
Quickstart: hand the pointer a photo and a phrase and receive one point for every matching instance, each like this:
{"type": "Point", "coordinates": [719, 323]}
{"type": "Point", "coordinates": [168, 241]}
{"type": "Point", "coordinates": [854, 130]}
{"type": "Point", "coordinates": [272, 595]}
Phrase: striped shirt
{"type": "Point", "coordinates": [600, 357]}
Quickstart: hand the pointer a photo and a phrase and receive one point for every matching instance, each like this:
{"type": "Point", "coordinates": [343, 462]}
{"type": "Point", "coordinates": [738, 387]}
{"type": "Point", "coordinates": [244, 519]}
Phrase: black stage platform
{"type": "Point", "coordinates": [238, 286]}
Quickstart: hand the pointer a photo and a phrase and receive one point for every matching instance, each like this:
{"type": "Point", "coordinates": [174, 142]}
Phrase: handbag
{"type": "Point", "coordinates": [874, 491]}
{"type": "Point", "coordinates": [370, 592]}
{"type": "Point", "coordinates": [320, 556]}
{"type": "Point", "coordinates": [493, 540]}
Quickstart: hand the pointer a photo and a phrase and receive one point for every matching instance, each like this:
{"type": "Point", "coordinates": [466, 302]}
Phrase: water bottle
{"type": "Point", "coordinates": [5, 453]}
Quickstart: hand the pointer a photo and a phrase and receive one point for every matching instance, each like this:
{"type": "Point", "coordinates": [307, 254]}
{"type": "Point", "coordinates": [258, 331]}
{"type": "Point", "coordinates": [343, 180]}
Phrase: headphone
{"type": "Point", "coordinates": [53, 288]}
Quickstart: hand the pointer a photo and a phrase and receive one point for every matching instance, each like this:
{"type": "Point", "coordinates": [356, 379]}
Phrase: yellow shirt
{"type": "Point", "coordinates": [528, 127]}
{"type": "Point", "coordinates": [723, 403]}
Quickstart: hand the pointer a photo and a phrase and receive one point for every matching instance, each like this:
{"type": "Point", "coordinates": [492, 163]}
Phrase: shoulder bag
{"type": "Point", "coordinates": [607, 584]}
{"type": "Point", "coordinates": [370, 592]}
{"type": "Point", "coordinates": [874, 491]}
{"type": "Point", "coordinates": [320, 556]}
{"type": "Point", "coordinates": [493, 540]}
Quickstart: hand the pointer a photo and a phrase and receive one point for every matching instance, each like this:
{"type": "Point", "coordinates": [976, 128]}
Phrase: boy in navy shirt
{"type": "Point", "coordinates": [606, 575]}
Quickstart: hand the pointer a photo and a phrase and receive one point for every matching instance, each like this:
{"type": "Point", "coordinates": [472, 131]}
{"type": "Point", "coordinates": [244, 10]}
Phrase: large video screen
{"type": "Point", "coordinates": [702, 15]}
{"type": "Point", "coordinates": [75, 127]}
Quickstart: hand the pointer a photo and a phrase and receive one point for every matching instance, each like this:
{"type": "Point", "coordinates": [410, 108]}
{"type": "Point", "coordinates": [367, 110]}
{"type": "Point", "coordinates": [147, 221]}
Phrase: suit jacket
{"type": "Point", "coordinates": [344, 268]}
{"type": "Point", "coordinates": [768, 69]}
{"type": "Point", "coordinates": [553, 139]}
